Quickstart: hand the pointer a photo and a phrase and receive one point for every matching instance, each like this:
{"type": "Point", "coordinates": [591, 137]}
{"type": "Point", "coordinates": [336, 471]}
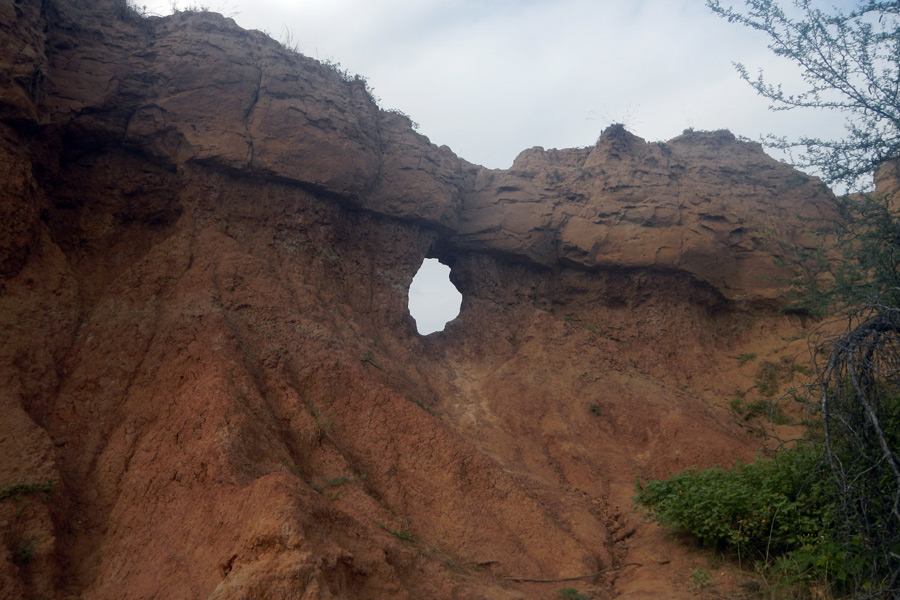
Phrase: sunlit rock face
{"type": "Point", "coordinates": [206, 249]}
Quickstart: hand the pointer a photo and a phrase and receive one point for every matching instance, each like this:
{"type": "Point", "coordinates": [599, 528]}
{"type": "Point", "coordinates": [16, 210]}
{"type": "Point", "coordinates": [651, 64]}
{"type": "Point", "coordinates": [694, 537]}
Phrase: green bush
{"type": "Point", "coordinates": [776, 511]}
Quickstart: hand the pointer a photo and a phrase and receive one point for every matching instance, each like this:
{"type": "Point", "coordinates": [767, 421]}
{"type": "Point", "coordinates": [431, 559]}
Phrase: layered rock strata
{"type": "Point", "coordinates": [206, 243]}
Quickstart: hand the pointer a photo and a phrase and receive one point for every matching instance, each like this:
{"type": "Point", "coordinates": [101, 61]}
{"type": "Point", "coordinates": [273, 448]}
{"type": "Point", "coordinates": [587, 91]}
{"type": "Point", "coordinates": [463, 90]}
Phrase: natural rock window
{"type": "Point", "coordinates": [433, 300]}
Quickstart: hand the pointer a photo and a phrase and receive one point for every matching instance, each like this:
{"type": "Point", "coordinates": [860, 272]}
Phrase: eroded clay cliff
{"type": "Point", "coordinates": [206, 243]}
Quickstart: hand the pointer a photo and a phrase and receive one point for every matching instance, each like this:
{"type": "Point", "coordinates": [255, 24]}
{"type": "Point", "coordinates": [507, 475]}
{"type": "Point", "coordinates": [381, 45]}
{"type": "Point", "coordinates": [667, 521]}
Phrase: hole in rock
{"type": "Point", "coordinates": [433, 300]}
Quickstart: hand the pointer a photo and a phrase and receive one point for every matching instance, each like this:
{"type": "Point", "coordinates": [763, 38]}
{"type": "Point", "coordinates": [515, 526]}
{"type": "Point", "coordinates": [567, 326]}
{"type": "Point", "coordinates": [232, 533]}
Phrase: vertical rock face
{"type": "Point", "coordinates": [206, 243]}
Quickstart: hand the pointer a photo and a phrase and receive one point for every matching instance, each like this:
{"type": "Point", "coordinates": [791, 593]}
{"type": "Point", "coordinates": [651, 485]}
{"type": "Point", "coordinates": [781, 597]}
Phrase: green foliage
{"type": "Point", "coordinates": [862, 432]}
{"type": "Point", "coordinates": [402, 532]}
{"type": "Point", "coordinates": [368, 360]}
{"type": "Point", "coordinates": [287, 41]}
{"type": "Point", "coordinates": [423, 406]}
{"type": "Point", "coordinates": [595, 409]}
{"type": "Point", "coordinates": [859, 385]}
{"type": "Point", "coordinates": [323, 423]}
{"type": "Point", "coordinates": [746, 357]}
{"type": "Point", "coordinates": [295, 469]}
{"type": "Point", "coordinates": [761, 510]}
{"type": "Point", "coordinates": [340, 480]}
{"type": "Point", "coordinates": [298, 471]}
{"type": "Point", "coordinates": [24, 552]}
{"type": "Point", "coordinates": [353, 79]}
{"type": "Point", "coordinates": [335, 481]}
{"type": "Point", "coordinates": [570, 594]}
{"type": "Point", "coordinates": [20, 493]}
{"type": "Point", "coordinates": [771, 376]}
{"type": "Point", "coordinates": [856, 263]}
{"type": "Point", "coordinates": [760, 409]}
{"type": "Point", "coordinates": [573, 320]}
{"type": "Point", "coordinates": [17, 491]}
{"type": "Point", "coordinates": [404, 116]}
{"type": "Point", "coordinates": [868, 273]}
{"type": "Point", "coordinates": [768, 379]}
{"type": "Point", "coordinates": [700, 578]}
{"type": "Point", "coordinates": [194, 7]}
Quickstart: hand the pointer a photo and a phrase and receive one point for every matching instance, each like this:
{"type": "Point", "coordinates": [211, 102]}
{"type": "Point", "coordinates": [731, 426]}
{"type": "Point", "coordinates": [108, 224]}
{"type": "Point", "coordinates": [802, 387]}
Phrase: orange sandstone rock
{"type": "Point", "coordinates": [206, 243]}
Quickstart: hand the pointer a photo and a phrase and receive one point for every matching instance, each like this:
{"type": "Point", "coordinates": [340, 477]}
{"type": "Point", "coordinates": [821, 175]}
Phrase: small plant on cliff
{"type": "Point", "coordinates": [747, 411]}
{"type": "Point", "coordinates": [369, 361]}
{"type": "Point", "coordinates": [402, 532]}
{"type": "Point", "coordinates": [322, 423]}
{"type": "Point", "coordinates": [21, 494]}
{"type": "Point", "coordinates": [354, 79]}
{"type": "Point", "coordinates": [405, 116]}
{"type": "Point", "coordinates": [700, 578]}
{"type": "Point", "coordinates": [25, 552]}
{"type": "Point", "coordinates": [18, 491]}
{"type": "Point", "coordinates": [423, 406]}
{"type": "Point", "coordinates": [287, 41]}
{"type": "Point", "coordinates": [746, 357]}
{"type": "Point", "coordinates": [570, 594]}
{"type": "Point", "coordinates": [192, 7]}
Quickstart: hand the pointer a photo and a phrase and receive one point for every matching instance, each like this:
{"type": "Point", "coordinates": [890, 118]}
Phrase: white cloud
{"type": "Point", "coordinates": [490, 79]}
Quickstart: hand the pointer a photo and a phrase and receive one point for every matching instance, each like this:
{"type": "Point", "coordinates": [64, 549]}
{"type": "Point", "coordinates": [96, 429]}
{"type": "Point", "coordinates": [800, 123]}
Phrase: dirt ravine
{"type": "Point", "coordinates": [210, 384]}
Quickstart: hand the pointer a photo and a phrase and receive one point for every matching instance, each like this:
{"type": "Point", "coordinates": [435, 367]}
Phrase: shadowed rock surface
{"type": "Point", "coordinates": [206, 243]}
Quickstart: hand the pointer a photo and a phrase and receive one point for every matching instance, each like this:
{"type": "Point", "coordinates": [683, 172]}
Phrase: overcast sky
{"type": "Point", "coordinates": [490, 78]}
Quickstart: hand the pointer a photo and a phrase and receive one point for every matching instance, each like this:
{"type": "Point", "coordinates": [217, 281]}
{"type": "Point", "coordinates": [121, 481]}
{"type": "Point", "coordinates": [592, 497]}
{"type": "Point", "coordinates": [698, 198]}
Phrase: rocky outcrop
{"type": "Point", "coordinates": [206, 243]}
{"type": "Point", "coordinates": [196, 89]}
{"type": "Point", "coordinates": [703, 203]}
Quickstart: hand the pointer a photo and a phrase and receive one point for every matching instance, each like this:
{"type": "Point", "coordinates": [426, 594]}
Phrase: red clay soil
{"type": "Point", "coordinates": [206, 245]}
